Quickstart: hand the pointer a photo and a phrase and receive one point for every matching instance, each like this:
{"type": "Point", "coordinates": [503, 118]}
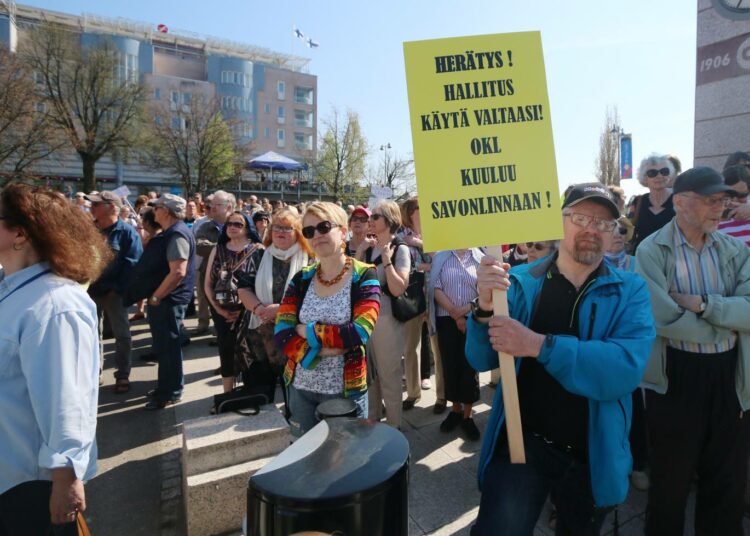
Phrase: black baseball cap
{"type": "Point", "coordinates": [592, 191]}
{"type": "Point", "coordinates": [701, 180]}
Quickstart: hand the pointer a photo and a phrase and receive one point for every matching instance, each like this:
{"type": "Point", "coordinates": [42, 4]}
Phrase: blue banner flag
{"type": "Point", "coordinates": [626, 157]}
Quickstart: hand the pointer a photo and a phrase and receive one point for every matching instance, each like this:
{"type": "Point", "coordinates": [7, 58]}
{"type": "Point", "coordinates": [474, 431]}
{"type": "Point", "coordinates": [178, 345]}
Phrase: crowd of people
{"type": "Point", "coordinates": [631, 335]}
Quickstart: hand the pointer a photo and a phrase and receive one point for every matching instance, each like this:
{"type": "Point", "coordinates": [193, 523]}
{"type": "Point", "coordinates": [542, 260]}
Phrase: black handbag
{"type": "Point", "coordinates": [412, 302]}
{"type": "Point", "coordinates": [258, 388]}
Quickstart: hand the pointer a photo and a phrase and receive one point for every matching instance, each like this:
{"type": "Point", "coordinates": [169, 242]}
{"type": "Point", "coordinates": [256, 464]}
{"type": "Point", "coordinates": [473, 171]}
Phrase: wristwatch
{"type": "Point", "coordinates": [154, 300]}
{"type": "Point", "coordinates": [478, 311]}
{"type": "Point", "coordinates": [702, 306]}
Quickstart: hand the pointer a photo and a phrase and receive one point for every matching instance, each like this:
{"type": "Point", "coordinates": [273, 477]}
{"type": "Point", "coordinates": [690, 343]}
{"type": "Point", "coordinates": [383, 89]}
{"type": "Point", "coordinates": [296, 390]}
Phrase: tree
{"type": "Point", "coordinates": [398, 173]}
{"type": "Point", "coordinates": [607, 162]}
{"type": "Point", "coordinates": [92, 94]}
{"type": "Point", "coordinates": [26, 131]}
{"type": "Point", "coordinates": [193, 141]}
{"type": "Point", "coordinates": [342, 153]}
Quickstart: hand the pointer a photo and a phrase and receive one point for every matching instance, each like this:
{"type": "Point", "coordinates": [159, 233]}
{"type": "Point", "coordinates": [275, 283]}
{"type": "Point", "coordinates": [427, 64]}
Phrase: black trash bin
{"type": "Point", "coordinates": [344, 475]}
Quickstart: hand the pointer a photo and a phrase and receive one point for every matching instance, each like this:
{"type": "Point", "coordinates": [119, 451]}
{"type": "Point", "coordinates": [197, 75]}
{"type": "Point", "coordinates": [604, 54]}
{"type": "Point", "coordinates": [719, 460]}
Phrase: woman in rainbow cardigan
{"type": "Point", "coordinates": [324, 320]}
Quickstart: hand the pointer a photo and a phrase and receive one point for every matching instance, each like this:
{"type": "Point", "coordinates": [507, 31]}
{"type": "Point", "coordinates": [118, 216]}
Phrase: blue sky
{"type": "Point", "coordinates": [637, 55]}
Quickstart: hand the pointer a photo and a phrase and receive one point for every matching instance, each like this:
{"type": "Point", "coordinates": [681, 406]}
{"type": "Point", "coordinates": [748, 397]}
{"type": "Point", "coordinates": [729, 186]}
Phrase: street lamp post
{"type": "Point", "coordinates": [385, 148]}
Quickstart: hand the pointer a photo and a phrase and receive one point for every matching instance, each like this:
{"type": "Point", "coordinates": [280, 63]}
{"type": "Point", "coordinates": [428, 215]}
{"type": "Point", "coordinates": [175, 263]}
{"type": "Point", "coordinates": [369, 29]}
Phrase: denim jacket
{"type": "Point", "coordinates": [605, 366]}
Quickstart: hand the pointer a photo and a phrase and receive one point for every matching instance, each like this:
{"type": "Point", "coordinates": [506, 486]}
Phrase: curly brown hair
{"type": "Point", "coordinates": [60, 233]}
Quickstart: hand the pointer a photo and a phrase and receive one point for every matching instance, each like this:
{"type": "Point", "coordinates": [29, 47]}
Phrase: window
{"type": "Point", "coordinates": [267, 108]}
{"type": "Point", "coordinates": [280, 138]}
{"type": "Point", "coordinates": [40, 107]}
{"type": "Point", "coordinates": [157, 93]}
{"type": "Point", "coordinates": [176, 123]}
{"type": "Point", "coordinates": [186, 98]}
{"type": "Point", "coordinates": [157, 120]}
{"type": "Point", "coordinates": [223, 77]}
{"type": "Point", "coordinates": [303, 141]}
{"type": "Point", "coordinates": [248, 80]}
{"type": "Point", "coordinates": [281, 90]}
{"type": "Point", "coordinates": [247, 130]}
{"type": "Point", "coordinates": [281, 115]}
{"type": "Point", "coordinates": [302, 119]}
{"type": "Point", "coordinates": [266, 132]}
{"type": "Point", "coordinates": [38, 78]}
{"type": "Point", "coordinates": [303, 95]}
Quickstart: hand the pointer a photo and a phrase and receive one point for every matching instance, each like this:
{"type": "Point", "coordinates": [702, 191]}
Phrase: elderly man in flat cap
{"type": "Point", "coordinates": [698, 378]}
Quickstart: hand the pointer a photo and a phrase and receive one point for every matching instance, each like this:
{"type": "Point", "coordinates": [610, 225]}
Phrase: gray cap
{"type": "Point", "coordinates": [105, 197]}
{"type": "Point", "coordinates": [702, 180]}
{"type": "Point", "coordinates": [174, 203]}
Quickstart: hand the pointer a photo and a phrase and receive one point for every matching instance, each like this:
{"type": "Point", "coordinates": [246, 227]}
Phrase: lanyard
{"type": "Point", "coordinates": [29, 280]}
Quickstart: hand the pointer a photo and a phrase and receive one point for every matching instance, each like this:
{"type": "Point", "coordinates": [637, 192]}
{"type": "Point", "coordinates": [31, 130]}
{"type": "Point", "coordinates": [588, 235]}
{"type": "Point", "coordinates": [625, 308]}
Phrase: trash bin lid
{"type": "Point", "coordinates": [336, 407]}
{"type": "Point", "coordinates": [338, 457]}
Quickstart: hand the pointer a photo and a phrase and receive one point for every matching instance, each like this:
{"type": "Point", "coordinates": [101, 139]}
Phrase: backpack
{"type": "Point", "coordinates": [412, 302]}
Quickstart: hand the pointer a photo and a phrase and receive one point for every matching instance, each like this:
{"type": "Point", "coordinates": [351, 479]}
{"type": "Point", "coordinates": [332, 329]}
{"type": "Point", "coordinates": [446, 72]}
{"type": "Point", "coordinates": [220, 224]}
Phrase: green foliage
{"type": "Point", "coordinates": [342, 153]}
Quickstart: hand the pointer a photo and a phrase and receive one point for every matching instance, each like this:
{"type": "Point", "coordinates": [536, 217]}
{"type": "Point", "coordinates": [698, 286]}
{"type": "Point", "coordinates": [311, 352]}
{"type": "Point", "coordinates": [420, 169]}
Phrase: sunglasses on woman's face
{"type": "Point", "coordinates": [539, 246]}
{"type": "Point", "coordinates": [651, 173]}
{"type": "Point", "coordinates": [235, 224]}
{"type": "Point", "coordinates": [323, 227]}
{"type": "Point", "coordinates": [376, 217]}
{"type": "Point", "coordinates": [360, 219]}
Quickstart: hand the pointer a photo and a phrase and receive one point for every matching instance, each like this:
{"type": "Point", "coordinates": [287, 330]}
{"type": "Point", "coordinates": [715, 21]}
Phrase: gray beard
{"type": "Point", "coordinates": [587, 257]}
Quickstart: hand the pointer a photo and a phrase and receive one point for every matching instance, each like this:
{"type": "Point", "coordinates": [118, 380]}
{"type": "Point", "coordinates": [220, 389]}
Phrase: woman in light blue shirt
{"type": "Point", "coordinates": [49, 359]}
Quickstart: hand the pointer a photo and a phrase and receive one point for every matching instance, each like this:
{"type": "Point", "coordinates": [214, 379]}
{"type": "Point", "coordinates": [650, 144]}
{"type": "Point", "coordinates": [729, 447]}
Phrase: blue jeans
{"type": "Point", "coordinates": [165, 321]}
{"type": "Point", "coordinates": [302, 405]}
{"type": "Point", "coordinates": [513, 495]}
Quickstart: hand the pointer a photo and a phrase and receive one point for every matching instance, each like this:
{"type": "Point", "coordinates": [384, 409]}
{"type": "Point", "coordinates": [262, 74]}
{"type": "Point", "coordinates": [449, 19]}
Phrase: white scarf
{"type": "Point", "coordinates": [264, 277]}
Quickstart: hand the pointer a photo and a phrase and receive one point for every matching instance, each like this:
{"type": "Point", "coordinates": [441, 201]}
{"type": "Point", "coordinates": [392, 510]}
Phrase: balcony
{"type": "Point", "coordinates": [303, 96]}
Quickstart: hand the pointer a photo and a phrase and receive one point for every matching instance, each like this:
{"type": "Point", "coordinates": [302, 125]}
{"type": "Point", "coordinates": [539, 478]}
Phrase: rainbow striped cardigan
{"type": "Point", "coordinates": [365, 299]}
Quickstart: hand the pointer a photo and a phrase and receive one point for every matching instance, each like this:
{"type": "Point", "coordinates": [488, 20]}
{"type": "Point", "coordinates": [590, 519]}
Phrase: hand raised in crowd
{"type": "Point", "coordinates": [491, 274]}
{"type": "Point", "coordinates": [741, 212]}
{"type": "Point", "coordinates": [267, 313]}
{"type": "Point", "coordinates": [691, 302]}
{"type": "Point", "coordinates": [513, 338]}
{"type": "Point", "coordinates": [413, 240]}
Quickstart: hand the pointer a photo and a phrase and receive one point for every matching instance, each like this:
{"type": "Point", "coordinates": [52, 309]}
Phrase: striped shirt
{"type": "Point", "coordinates": [458, 280]}
{"type": "Point", "coordinates": [698, 273]}
{"type": "Point", "coordinates": [737, 228]}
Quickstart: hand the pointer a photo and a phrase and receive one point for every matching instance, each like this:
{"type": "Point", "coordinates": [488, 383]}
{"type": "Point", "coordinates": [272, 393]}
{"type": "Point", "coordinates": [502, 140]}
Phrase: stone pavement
{"type": "Point", "coordinates": [138, 487]}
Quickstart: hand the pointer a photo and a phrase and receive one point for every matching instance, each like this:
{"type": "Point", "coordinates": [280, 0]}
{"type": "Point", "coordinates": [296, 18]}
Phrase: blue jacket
{"type": "Point", "coordinates": [605, 366]}
{"type": "Point", "coordinates": [127, 247]}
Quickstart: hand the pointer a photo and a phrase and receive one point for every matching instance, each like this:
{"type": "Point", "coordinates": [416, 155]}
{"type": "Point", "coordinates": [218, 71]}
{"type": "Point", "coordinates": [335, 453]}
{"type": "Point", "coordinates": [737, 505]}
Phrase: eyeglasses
{"type": "Point", "coordinates": [283, 229]}
{"type": "Point", "coordinates": [360, 219]}
{"type": "Point", "coordinates": [712, 202]}
{"type": "Point", "coordinates": [582, 220]}
{"type": "Point", "coordinates": [323, 227]}
{"type": "Point", "coordinates": [651, 173]}
{"type": "Point", "coordinates": [376, 217]}
{"type": "Point", "coordinates": [236, 224]}
{"type": "Point", "coordinates": [539, 246]}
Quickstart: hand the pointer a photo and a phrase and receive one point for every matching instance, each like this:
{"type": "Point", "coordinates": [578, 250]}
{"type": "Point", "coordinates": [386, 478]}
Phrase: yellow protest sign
{"type": "Point", "coordinates": [483, 150]}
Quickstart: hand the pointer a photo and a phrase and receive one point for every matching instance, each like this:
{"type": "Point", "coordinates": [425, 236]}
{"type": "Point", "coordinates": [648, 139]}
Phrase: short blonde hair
{"type": "Point", "coordinates": [391, 211]}
{"type": "Point", "coordinates": [328, 211]}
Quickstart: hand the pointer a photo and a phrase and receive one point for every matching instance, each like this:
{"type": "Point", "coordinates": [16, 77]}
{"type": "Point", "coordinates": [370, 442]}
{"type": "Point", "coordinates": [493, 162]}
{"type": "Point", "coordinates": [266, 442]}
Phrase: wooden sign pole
{"type": "Point", "coordinates": [508, 377]}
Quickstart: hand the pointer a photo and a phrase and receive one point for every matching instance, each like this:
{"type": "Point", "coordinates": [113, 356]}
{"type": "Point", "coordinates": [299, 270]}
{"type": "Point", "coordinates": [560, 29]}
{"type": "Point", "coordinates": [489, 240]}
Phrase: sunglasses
{"type": "Point", "coordinates": [281, 229]}
{"type": "Point", "coordinates": [376, 217]}
{"type": "Point", "coordinates": [651, 173]}
{"type": "Point", "coordinates": [360, 219]}
{"type": "Point", "coordinates": [539, 246]}
{"type": "Point", "coordinates": [323, 227]}
{"type": "Point", "coordinates": [235, 224]}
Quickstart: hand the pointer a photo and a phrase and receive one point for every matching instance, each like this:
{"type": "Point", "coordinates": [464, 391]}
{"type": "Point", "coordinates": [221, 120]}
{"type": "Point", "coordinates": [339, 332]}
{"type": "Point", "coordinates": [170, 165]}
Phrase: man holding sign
{"type": "Point", "coordinates": [582, 333]}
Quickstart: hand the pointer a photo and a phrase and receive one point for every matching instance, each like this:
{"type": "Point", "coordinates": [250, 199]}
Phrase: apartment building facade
{"type": "Point", "coordinates": [269, 96]}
